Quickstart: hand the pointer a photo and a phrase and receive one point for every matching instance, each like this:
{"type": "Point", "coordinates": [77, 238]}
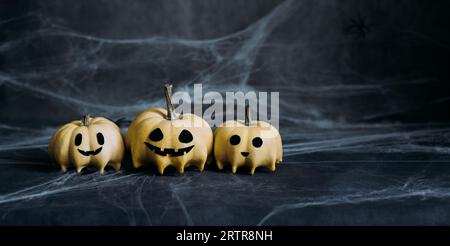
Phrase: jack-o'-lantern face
{"type": "Point", "coordinates": [79, 140]}
{"type": "Point", "coordinates": [160, 137]}
{"type": "Point", "coordinates": [250, 144]}
{"type": "Point", "coordinates": [185, 137]}
{"type": "Point", "coordinates": [88, 142]}
{"type": "Point", "coordinates": [256, 142]}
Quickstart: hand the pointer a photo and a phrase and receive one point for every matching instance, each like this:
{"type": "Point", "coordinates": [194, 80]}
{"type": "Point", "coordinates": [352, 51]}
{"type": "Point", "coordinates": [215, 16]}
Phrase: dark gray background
{"type": "Point", "coordinates": [364, 118]}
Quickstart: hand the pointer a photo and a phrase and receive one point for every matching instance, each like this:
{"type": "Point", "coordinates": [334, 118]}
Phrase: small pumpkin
{"type": "Point", "coordinates": [251, 144]}
{"type": "Point", "coordinates": [87, 142]}
{"type": "Point", "coordinates": [163, 138]}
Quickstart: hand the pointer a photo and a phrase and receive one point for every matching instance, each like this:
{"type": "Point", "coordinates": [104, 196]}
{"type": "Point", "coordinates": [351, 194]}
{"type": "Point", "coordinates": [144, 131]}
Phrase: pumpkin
{"type": "Point", "coordinates": [164, 138]}
{"type": "Point", "coordinates": [249, 143]}
{"type": "Point", "coordinates": [87, 142]}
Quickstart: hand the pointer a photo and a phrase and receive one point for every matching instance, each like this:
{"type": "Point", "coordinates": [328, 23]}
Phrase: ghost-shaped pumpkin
{"type": "Point", "coordinates": [87, 142]}
{"type": "Point", "coordinates": [249, 143]}
{"type": "Point", "coordinates": [163, 138]}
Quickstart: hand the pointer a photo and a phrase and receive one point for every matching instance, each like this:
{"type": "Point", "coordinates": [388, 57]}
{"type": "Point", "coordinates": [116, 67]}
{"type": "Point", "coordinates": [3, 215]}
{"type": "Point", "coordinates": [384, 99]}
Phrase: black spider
{"type": "Point", "coordinates": [359, 27]}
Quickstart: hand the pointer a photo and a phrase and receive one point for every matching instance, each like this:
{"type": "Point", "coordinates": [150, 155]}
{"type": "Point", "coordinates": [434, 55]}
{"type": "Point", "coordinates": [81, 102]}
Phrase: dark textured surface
{"type": "Point", "coordinates": [363, 111]}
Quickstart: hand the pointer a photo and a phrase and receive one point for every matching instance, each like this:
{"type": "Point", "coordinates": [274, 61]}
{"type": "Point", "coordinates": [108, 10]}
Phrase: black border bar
{"type": "Point", "coordinates": [169, 234]}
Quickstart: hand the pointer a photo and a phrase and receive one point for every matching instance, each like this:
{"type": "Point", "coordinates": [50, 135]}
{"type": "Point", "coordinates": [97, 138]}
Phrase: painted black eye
{"type": "Point", "coordinates": [185, 136]}
{"type": "Point", "coordinates": [156, 135]}
{"type": "Point", "coordinates": [78, 139]}
{"type": "Point", "coordinates": [100, 138]}
{"type": "Point", "coordinates": [257, 142]}
{"type": "Point", "coordinates": [235, 140]}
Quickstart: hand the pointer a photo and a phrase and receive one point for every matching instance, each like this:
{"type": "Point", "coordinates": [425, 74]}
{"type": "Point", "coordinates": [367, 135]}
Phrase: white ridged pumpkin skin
{"type": "Point", "coordinates": [65, 152]}
{"type": "Point", "coordinates": [267, 155]}
{"type": "Point", "coordinates": [147, 121]}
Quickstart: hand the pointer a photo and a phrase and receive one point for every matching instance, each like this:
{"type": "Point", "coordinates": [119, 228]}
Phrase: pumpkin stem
{"type": "Point", "coordinates": [86, 120]}
{"type": "Point", "coordinates": [171, 115]}
{"type": "Point", "coordinates": [248, 119]}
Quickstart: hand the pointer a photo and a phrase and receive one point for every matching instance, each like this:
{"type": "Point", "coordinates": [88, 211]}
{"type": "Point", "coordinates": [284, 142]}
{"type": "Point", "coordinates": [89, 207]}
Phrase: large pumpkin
{"type": "Point", "coordinates": [88, 142]}
{"type": "Point", "coordinates": [250, 143]}
{"type": "Point", "coordinates": [163, 138]}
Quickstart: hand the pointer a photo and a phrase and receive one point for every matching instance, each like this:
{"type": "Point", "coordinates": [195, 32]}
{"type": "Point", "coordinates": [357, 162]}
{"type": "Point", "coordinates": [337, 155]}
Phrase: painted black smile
{"type": "Point", "coordinates": [90, 152]}
{"type": "Point", "coordinates": [245, 154]}
{"type": "Point", "coordinates": [168, 151]}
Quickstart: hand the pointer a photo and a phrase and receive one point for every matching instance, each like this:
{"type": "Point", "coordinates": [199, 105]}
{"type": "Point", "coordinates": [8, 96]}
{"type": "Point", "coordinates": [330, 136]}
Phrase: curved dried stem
{"type": "Point", "coordinates": [171, 115]}
{"type": "Point", "coordinates": [248, 119]}
{"type": "Point", "coordinates": [86, 120]}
